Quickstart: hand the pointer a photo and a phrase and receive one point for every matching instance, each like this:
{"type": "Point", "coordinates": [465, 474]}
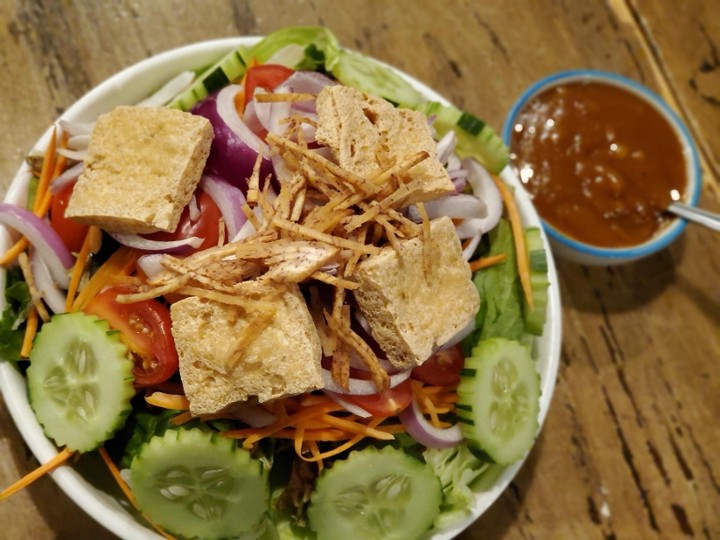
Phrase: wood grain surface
{"type": "Point", "coordinates": [631, 446]}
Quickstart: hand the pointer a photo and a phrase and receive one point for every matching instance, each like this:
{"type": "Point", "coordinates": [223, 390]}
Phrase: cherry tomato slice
{"type": "Point", "coordinates": [389, 403]}
{"type": "Point", "coordinates": [144, 328]}
{"type": "Point", "coordinates": [266, 76]}
{"type": "Point", "coordinates": [442, 368]}
{"type": "Point", "coordinates": [205, 227]}
{"type": "Point", "coordinates": [70, 231]}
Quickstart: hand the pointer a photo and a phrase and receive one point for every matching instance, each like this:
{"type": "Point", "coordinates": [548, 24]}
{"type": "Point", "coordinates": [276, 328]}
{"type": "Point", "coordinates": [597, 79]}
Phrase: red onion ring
{"type": "Point", "coordinates": [254, 416]}
{"type": "Point", "coordinates": [361, 387]}
{"type": "Point", "coordinates": [349, 407]}
{"type": "Point", "coordinates": [68, 176]}
{"type": "Point", "coordinates": [156, 246]}
{"type": "Point", "coordinates": [232, 155]}
{"type": "Point", "coordinates": [44, 239]}
{"type": "Point", "coordinates": [49, 291]}
{"type": "Point", "coordinates": [151, 264]}
{"type": "Point", "coordinates": [228, 199]}
{"type": "Point", "coordinates": [228, 114]}
{"type": "Point", "coordinates": [425, 433]}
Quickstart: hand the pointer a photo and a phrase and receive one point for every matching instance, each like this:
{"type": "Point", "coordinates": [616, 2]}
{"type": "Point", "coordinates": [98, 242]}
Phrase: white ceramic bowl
{"type": "Point", "coordinates": [583, 253]}
{"type": "Point", "coordinates": [107, 505]}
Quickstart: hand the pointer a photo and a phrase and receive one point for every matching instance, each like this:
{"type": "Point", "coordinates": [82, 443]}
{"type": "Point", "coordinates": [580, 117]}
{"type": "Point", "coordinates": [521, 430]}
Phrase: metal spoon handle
{"type": "Point", "coordinates": [703, 217]}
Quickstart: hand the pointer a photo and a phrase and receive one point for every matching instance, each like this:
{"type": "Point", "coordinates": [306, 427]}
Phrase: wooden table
{"type": "Point", "coordinates": [631, 446]}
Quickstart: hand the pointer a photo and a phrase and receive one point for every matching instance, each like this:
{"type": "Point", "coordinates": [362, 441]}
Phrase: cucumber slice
{"type": "Point", "coordinates": [535, 319]}
{"type": "Point", "coordinates": [383, 494]}
{"type": "Point", "coordinates": [80, 380]}
{"type": "Point", "coordinates": [197, 483]}
{"type": "Point", "coordinates": [474, 137]}
{"type": "Point", "coordinates": [229, 68]}
{"type": "Point", "coordinates": [373, 77]}
{"type": "Point", "coordinates": [498, 400]}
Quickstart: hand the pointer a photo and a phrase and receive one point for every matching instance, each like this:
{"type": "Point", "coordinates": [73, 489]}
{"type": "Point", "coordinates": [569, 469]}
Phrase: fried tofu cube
{"type": "Point", "coordinates": [283, 359]}
{"type": "Point", "coordinates": [142, 167]}
{"type": "Point", "coordinates": [410, 314]}
{"type": "Point", "coordinates": [355, 126]}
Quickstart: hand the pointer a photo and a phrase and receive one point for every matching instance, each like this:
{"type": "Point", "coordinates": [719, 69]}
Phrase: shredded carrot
{"type": "Point", "coordinates": [293, 419]}
{"type": "Point", "coordinates": [31, 327]}
{"type": "Point", "coordinates": [60, 458]}
{"type": "Point", "coordinates": [80, 264]}
{"type": "Point", "coordinates": [11, 254]}
{"type": "Point", "coordinates": [352, 442]}
{"type": "Point", "coordinates": [487, 262]}
{"type": "Point", "coordinates": [126, 490]}
{"type": "Point", "coordinates": [120, 263]}
{"type": "Point", "coordinates": [354, 427]}
{"type": "Point", "coordinates": [47, 170]}
{"type": "Point", "coordinates": [118, 478]}
{"type": "Point", "coordinates": [50, 169]}
{"type": "Point", "coordinates": [182, 418]}
{"type": "Point", "coordinates": [168, 401]}
{"type": "Point", "coordinates": [523, 263]}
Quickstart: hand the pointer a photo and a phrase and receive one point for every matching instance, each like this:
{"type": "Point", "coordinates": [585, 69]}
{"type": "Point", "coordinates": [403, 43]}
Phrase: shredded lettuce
{"type": "Point", "coordinates": [370, 76]}
{"type": "Point", "coordinates": [17, 304]}
{"type": "Point", "coordinates": [298, 47]}
{"type": "Point", "coordinates": [458, 469]}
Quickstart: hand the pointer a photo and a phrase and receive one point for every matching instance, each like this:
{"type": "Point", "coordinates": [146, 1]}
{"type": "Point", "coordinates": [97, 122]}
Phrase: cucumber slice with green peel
{"type": "Point", "coordinates": [197, 483]}
{"type": "Point", "coordinates": [535, 318]}
{"type": "Point", "coordinates": [375, 494]}
{"type": "Point", "coordinates": [475, 138]}
{"type": "Point", "coordinates": [228, 69]}
{"type": "Point", "coordinates": [499, 400]}
{"type": "Point", "coordinates": [80, 380]}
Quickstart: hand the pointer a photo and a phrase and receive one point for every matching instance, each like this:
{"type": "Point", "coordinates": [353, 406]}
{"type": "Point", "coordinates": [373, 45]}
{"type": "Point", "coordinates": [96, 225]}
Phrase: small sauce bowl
{"type": "Point", "coordinates": [602, 157]}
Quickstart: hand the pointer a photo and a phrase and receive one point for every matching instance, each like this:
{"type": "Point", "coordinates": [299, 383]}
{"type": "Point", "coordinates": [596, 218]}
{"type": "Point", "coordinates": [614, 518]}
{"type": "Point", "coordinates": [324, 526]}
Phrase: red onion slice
{"type": "Point", "coordinates": [350, 407]}
{"type": "Point", "coordinates": [254, 416]}
{"type": "Point", "coordinates": [76, 128]}
{"type": "Point", "coordinates": [151, 264]}
{"type": "Point", "coordinates": [305, 82]}
{"type": "Point", "coordinates": [67, 177]}
{"type": "Point", "coordinates": [75, 155]}
{"type": "Point", "coordinates": [457, 206]}
{"type": "Point", "coordinates": [44, 239]}
{"type": "Point", "coordinates": [469, 250]}
{"type": "Point", "coordinates": [235, 147]}
{"type": "Point", "coordinates": [228, 199]}
{"type": "Point", "coordinates": [361, 387]}
{"type": "Point", "coordinates": [49, 291]}
{"type": "Point", "coordinates": [228, 114]}
{"type": "Point", "coordinates": [484, 188]}
{"type": "Point", "coordinates": [446, 146]}
{"type": "Point", "coordinates": [156, 246]}
{"type": "Point", "coordinates": [425, 433]}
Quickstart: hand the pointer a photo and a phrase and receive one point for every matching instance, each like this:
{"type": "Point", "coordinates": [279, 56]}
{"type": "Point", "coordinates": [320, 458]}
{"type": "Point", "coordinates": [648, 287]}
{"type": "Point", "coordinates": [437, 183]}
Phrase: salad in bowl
{"type": "Point", "coordinates": [276, 289]}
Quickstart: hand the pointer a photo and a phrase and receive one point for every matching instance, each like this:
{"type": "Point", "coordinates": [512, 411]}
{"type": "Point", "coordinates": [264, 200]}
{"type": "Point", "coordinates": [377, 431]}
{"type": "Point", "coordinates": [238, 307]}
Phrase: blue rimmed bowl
{"type": "Point", "coordinates": [567, 247]}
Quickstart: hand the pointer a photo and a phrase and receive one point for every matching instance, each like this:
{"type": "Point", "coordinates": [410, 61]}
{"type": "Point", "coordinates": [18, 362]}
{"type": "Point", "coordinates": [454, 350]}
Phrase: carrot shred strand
{"type": "Point", "coordinates": [523, 263]}
{"type": "Point", "coordinates": [487, 262]}
{"type": "Point", "coordinates": [59, 459]}
{"type": "Point", "coordinates": [31, 327]}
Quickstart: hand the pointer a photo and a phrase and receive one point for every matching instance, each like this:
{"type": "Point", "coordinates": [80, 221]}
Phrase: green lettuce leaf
{"type": "Point", "coordinates": [501, 305]}
{"type": "Point", "coordinates": [298, 47]}
{"type": "Point", "coordinates": [17, 304]}
{"type": "Point", "coordinates": [458, 469]}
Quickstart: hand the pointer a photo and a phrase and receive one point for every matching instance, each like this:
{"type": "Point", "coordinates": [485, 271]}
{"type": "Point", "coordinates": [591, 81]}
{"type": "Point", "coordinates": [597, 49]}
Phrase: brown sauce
{"type": "Point", "coordinates": [601, 163]}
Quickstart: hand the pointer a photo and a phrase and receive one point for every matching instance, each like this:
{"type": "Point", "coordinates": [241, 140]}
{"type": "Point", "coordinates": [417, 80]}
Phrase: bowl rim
{"type": "Point", "coordinates": [692, 193]}
{"type": "Point", "coordinates": [103, 507]}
